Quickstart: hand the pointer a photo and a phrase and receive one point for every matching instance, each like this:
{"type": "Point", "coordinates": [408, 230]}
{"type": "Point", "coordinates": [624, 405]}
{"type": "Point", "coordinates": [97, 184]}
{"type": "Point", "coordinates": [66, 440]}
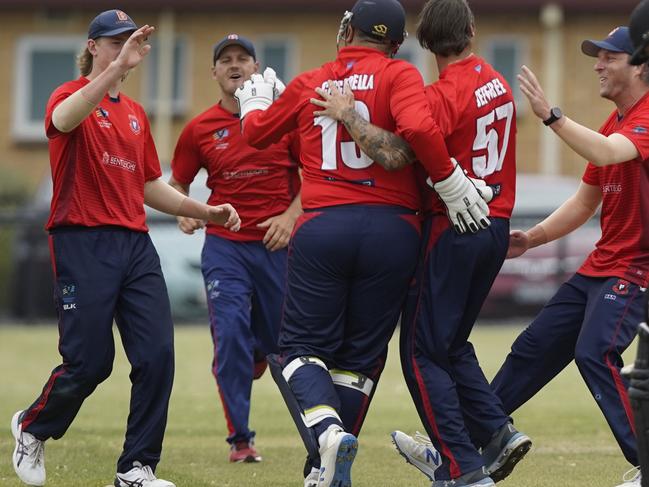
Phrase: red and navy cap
{"type": "Point", "coordinates": [381, 19]}
{"type": "Point", "coordinates": [233, 40]}
{"type": "Point", "coordinates": [618, 40]}
{"type": "Point", "coordinates": [110, 23]}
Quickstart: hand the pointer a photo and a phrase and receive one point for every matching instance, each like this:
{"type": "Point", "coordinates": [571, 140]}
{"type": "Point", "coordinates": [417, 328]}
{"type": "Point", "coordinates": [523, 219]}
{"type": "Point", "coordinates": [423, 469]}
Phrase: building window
{"type": "Point", "coordinates": [179, 85]}
{"type": "Point", "coordinates": [412, 52]}
{"type": "Point", "coordinates": [507, 55]}
{"type": "Point", "coordinates": [279, 53]}
{"type": "Point", "coordinates": [42, 64]}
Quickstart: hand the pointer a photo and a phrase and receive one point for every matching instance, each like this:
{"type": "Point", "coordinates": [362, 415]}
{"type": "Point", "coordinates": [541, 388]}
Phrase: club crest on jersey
{"type": "Point", "coordinates": [621, 287]}
{"type": "Point", "coordinates": [219, 137]}
{"type": "Point", "coordinates": [102, 118]}
{"type": "Point", "coordinates": [134, 124]}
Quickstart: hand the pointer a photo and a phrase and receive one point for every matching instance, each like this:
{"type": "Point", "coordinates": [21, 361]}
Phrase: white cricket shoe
{"type": "Point", "coordinates": [140, 476]}
{"type": "Point", "coordinates": [29, 454]}
{"type": "Point", "coordinates": [632, 478]}
{"type": "Point", "coordinates": [418, 451]}
{"type": "Point", "coordinates": [311, 480]}
{"type": "Point", "coordinates": [337, 453]}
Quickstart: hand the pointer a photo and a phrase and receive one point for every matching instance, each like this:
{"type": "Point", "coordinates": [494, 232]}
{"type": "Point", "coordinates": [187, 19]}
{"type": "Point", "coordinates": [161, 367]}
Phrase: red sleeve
{"type": "Point", "coordinates": [636, 129]}
{"type": "Point", "coordinates": [262, 128]}
{"type": "Point", "coordinates": [60, 94]}
{"type": "Point", "coordinates": [442, 99]}
{"type": "Point", "coordinates": [186, 160]}
{"type": "Point", "coordinates": [591, 175]}
{"type": "Point", "coordinates": [410, 110]}
{"type": "Point", "coordinates": [294, 146]}
{"type": "Point", "coordinates": [151, 162]}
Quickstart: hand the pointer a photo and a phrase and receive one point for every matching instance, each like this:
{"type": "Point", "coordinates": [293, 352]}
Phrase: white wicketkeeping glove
{"type": "Point", "coordinates": [465, 206]}
{"type": "Point", "coordinates": [270, 76]}
{"type": "Point", "coordinates": [486, 191]}
{"type": "Point", "coordinates": [254, 94]}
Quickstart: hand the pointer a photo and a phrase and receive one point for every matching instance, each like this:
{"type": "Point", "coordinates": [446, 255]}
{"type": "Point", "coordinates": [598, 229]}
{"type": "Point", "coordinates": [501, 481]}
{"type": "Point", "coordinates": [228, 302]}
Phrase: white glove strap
{"type": "Point", "coordinates": [255, 94]}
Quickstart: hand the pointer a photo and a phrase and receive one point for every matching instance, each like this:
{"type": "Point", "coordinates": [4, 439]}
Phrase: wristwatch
{"type": "Point", "coordinates": [555, 114]}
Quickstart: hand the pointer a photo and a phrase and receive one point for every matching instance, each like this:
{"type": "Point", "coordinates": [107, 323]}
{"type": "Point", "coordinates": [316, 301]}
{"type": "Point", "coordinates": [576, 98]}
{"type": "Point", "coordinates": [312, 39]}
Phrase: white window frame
{"type": "Point", "coordinates": [23, 129]}
{"type": "Point", "coordinates": [179, 106]}
{"type": "Point", "coordinates": [292, 52]}
{"type": "Point", "coordinates": [420, 57]}
{"type": "Point", "coordinates": [521, 48]}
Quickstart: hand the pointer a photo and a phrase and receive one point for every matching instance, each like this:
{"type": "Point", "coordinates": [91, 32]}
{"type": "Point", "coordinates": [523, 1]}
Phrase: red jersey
{"type": "Point", "coordinates": [258, 183]}
{"type": "Point", "coordinates": [99, 169]}
{"type": "Point", "coordinates": [474, 108]}
{"type": "Point", "coordinates": [389, 93]}
{"type": "Point", "coordinates": [623, 250]}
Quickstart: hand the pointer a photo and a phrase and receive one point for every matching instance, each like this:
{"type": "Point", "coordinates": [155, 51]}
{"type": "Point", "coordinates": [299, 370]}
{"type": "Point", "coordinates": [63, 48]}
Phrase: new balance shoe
{"type": "Point", "coordinates": [244, 452]}
{"type": "Point", "coordinates": [337, 453]}
{"type": "Point", "coordinates": [507, 447]}
{"type": "Point", "coordinates": [633, 478]}
{"type": "Point", "coordinates": [418, 451]}
{"type": "Point", "coordinates": [311, 480]}
{"type": "Point", "coordinates": [477, 478]}
{"type": "Point", "coordinates": [140, 476]}
{"type": "Point", "coordinates": [29, 453]}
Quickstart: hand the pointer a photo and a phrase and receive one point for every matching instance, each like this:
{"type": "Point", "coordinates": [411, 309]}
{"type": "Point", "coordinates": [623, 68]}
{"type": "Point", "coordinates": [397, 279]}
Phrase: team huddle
{"type": "Point", "coordinates": [350, 199]}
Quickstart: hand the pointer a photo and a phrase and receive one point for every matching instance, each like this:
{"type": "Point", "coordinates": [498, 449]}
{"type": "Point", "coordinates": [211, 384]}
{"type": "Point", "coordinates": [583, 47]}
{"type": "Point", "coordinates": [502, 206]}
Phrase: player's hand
{"type": "Point", "coordinates": [270, 77]}
{"type": "Point", "coordinates": [465, 207]}
{"type": "Point", "coordinates": [280, 228]}
{"type": "Point", "coordinates": [254, 94]}
{"type": "Point", "coordinates": [337, 104]}
{"type": "Point", "coordinates": [135, 48]}
{"type": "Point", "coordinates": [189, 225]}
{"type": "Point", "coordinates": [225, 215]}
{"type": "Point", "coordinates": [531, 88]}
{"type": "Point", "coordinates": [486, 191]}
{"type": "Point", "coordinates": [519, 242]}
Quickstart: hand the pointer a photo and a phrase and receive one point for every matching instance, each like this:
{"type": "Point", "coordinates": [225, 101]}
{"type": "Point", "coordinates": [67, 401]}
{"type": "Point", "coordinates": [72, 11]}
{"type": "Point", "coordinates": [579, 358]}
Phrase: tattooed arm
{"type": "Point", "coordinates": [387, 149]}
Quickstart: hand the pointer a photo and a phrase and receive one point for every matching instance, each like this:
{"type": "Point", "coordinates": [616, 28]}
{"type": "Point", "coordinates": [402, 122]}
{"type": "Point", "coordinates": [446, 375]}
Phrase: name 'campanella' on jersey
{"type": "Point", "coordinates": [489, 91]}
{"type": "Point", "coordinates": [357, 82]}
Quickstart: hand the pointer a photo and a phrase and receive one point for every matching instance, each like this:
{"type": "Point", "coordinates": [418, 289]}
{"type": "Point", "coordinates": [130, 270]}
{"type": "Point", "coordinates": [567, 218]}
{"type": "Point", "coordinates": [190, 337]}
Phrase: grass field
{"type": "Point", "coordinates": [573, 445]}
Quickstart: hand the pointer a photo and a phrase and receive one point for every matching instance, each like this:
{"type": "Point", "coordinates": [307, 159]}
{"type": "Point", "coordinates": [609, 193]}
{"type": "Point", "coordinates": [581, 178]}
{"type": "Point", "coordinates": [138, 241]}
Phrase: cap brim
{"type": "Point", "coordinates": [591, 48]}
{"type": "Point", "coordinates": [116, 32]}
{"type": "Point", "coordinates": [228, 43]}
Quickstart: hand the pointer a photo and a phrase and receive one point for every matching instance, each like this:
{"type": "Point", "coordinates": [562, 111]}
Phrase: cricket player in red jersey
{"type": "Point", "coordinates": [354, 250]}
{"type": "Point", "coordinates": [474, 108]}
{"type": "Point", "coordinates": [104, 169]}
{"type": "Point", "coordinates": [244, 272]}
{"type": "Point", "coordinates": [593, 316]}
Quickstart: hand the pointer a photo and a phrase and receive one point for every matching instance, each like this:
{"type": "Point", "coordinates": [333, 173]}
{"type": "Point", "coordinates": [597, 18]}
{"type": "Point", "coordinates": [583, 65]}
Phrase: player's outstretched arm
{"type": "Point", "coordinates": [385, 148]}
{"type": "Point", "coordinates": [164, 198]}
{"type": "Point", "coordinates": [592, 146]}
{"type": "Point", "coordinates": [185, 224]}
{"type": "Point", "coordinates": [74, 109]}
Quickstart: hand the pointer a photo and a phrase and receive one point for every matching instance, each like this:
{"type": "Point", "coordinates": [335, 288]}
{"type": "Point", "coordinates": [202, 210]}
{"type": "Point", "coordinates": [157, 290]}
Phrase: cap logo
{"type": "Point", "coordinates": [380, 30]}
{"type": "Point", "coordinates": [233, 37]}
{"type": "Point", "coordinates": [121, 16]}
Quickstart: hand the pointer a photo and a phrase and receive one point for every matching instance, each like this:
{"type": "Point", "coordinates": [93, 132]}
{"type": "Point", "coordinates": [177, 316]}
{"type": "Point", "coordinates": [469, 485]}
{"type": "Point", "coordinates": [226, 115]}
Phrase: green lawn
{"type": "Point", "coordinates": [572, 443]}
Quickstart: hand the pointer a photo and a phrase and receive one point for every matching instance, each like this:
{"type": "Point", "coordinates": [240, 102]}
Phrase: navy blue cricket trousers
{"type": "Point", "coordinates": [102, 274]}
{"type": "Point", "coordinates": [245, 285]}
{"type": "Point", "coordinates": [452, 396]}
{"type": "Point", "coordinates": [591, 320]}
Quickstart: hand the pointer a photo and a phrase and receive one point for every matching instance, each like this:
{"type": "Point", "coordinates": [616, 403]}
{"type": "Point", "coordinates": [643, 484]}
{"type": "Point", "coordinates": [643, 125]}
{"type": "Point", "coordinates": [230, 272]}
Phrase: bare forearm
{"type": "Point", "coordinates": [295, 208]}
{"type": "Point", "coordinates": [568, 217]}
{"type": "Point", "coordinates": [383, 147]}
{"type": "Point", "coordinates": [165, 198]}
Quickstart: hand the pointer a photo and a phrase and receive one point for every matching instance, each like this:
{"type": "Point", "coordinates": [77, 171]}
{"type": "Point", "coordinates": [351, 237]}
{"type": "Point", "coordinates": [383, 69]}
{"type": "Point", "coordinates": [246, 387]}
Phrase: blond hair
{"type": "Point", "coordinates": [84, 62]}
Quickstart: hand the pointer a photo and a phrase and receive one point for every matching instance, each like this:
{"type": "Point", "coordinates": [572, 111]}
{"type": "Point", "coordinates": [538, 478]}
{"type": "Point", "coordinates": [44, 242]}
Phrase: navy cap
{"type": "Point", "coordinates": [233, 40]}
{"type": "Point", "coordinates": [110, 23]}
{"type": "Point", "coordinates": [639, 31]}
{"type": "Point", "coordinates": [618, 40]}
{"type": "Point", "coordinates": [381, 19]}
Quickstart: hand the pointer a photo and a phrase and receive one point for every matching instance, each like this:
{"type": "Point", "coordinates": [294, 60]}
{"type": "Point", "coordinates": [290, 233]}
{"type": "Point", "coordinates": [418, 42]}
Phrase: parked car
{"type": "Point", "coordinates": [527, 282]}
{"type": "Point", "coordinates": [180, 258]}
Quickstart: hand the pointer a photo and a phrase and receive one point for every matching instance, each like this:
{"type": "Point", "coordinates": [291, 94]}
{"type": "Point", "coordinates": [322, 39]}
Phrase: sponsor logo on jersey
{"type": "Point", "coordinates": [639, 130]}
{"type": "Point", "coordinates": [357, 82]}
{"type": "Point", "coordinates": [611, 188]}
{"type": "Point", "coordinates": [248, 173]}
{"type": "Point", "coordinates": [134, 123]}
{"type": "Point", "coordinates": [489, 91]}
{"type": "Point", "coordinates": [102, 118]}
{"type": "Point", "coordinates": [478, 68]}
{"type": "Point", "coordinates": [621, 287]}
{"type": "Point", "coordinates": [116, 161]}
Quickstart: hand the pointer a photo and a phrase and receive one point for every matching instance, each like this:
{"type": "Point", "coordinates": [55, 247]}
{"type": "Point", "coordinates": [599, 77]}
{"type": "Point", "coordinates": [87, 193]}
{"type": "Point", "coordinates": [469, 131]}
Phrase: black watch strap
{"type": "Point", "coordinates": [555, 114]}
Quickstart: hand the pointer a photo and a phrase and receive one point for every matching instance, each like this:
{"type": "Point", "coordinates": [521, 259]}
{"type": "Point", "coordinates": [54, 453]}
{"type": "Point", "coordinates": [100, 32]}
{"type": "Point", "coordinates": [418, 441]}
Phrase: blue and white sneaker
{"type": "Point", "coordinates": [140, 476]}
{"type": "Point", "coordinates": [507, 447]}
{"type": "Point", "coordinates": [418, 451]}
{"type": "Point", "coordinates": [633, 478]}
{"type": "Point", "coordinates": [311, 480]}
{"type": "Point", "coordinates": [476, 478]}
{"type": "Point", "coordinates": [337, 454]}
{"type": "Point", "coordinates": [29, 453]}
